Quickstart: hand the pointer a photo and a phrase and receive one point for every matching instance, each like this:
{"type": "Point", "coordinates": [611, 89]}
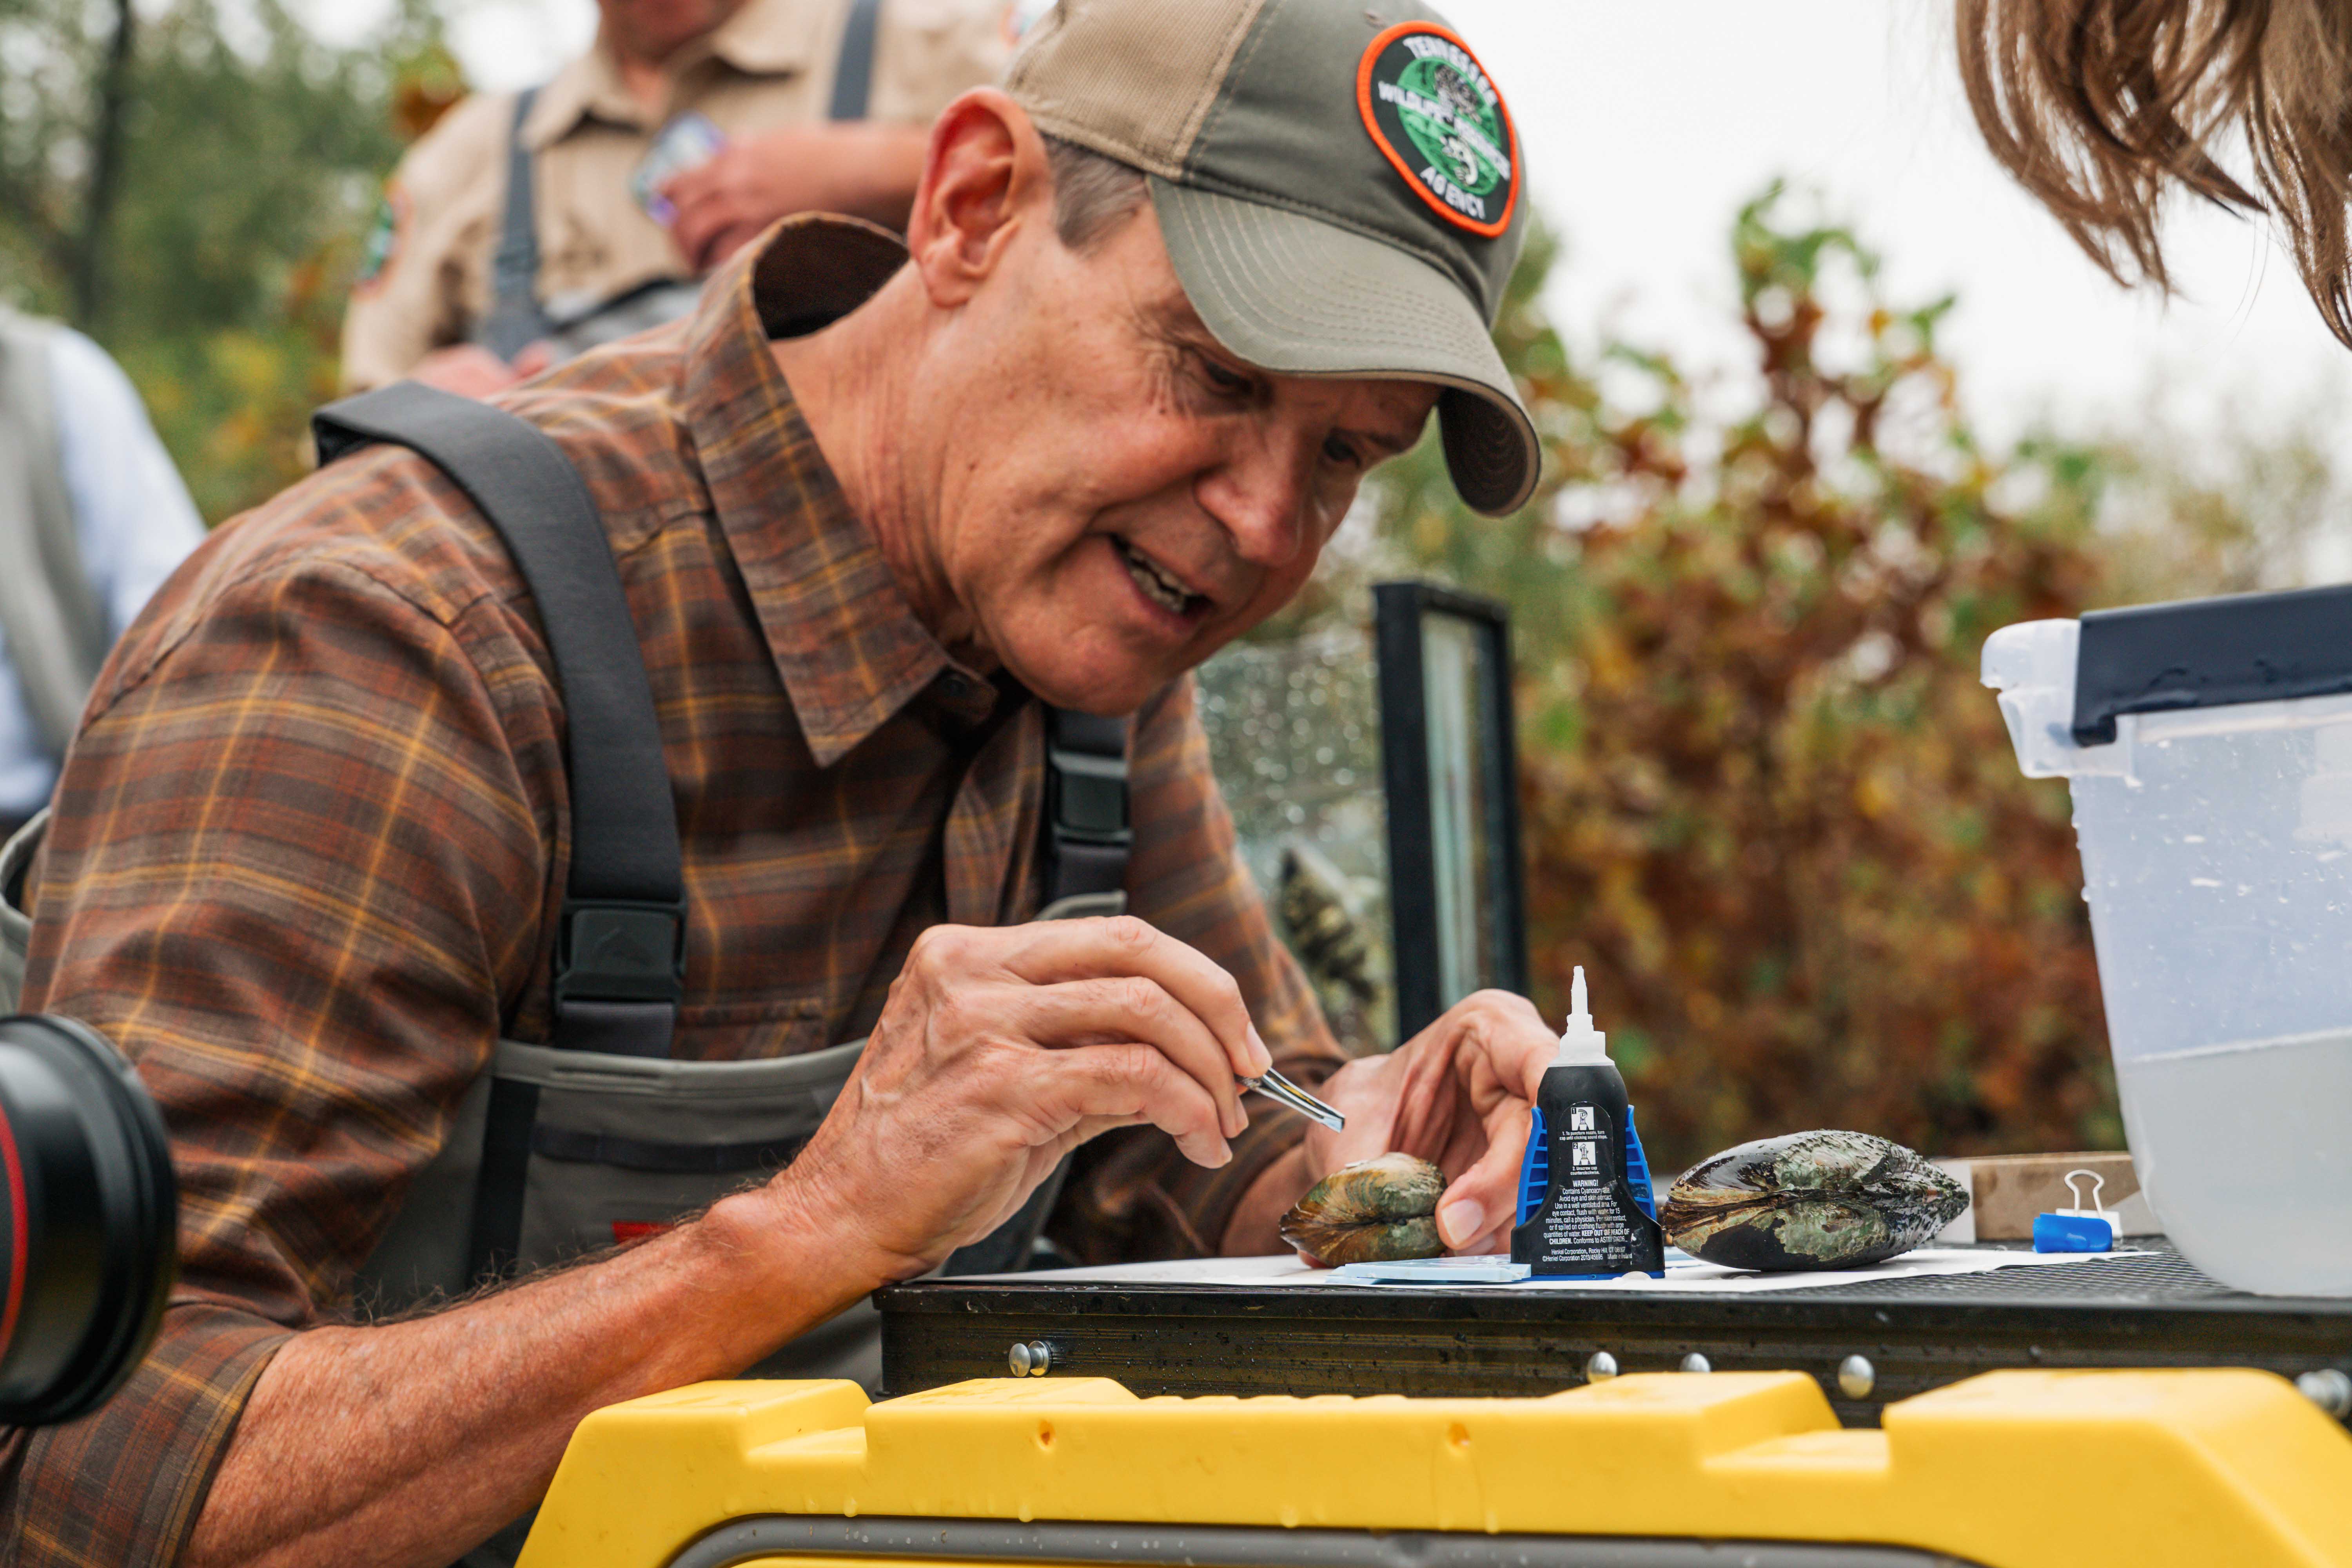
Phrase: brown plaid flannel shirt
{"type": "Point", "coordinates": [311, 841]}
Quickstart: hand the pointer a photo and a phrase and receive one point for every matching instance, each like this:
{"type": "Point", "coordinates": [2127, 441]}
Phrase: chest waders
{"type": "Point", "coordinates": [598, 1135]}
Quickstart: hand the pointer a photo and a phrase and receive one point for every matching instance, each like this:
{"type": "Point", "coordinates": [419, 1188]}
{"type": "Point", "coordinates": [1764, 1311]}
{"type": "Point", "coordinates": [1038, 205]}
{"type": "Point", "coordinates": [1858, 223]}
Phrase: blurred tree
{"type": "Point", "coordinates": [189, 185]}
{"type": "Point", "coordinates": [1768, 806]}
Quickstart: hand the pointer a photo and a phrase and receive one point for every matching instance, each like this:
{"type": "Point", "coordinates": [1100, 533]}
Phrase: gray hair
{"type": "Point", "coordinates": [1093, 194]}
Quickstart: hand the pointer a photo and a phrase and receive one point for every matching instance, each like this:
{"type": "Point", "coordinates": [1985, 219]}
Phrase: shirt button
{"type": "Point", "coordinates": [955, 685]}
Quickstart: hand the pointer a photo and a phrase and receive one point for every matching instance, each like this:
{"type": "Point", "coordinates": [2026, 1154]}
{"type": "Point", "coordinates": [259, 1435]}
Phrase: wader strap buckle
{"type": "Point", "coordinates": [1089, 837]}
{"type": "Point", "coordinates": [619, 975]}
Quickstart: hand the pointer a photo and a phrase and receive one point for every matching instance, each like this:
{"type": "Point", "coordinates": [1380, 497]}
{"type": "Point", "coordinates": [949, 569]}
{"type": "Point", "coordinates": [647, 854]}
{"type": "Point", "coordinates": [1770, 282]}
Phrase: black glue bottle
{"type": "Point", "coordinates": [1586, 1211]}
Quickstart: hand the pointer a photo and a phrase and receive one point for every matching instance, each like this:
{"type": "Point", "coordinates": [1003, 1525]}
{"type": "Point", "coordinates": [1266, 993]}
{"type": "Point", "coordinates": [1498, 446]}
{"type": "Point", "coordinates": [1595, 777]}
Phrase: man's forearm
{"type": "Point", "coordinates": [409, 1443]}
{"type": "Point", "coordinates": [877, 182]}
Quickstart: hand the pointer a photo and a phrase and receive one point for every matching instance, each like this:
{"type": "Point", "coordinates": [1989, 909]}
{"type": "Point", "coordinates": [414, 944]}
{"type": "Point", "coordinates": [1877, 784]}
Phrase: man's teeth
{"type": "Point", "coordinates": [1156, 585]}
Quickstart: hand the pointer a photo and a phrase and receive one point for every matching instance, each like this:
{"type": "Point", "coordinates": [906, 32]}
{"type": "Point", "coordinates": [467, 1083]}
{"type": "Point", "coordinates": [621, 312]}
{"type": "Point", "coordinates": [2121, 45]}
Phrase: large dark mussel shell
{"type": "Point", "coordinates": [1374, 1211]}
{"type": "Point", "coordinates": [1809, 1200]}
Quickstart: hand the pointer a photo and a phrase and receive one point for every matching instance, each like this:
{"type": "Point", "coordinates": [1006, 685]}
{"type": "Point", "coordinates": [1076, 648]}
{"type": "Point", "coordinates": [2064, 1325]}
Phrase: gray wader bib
{"type": "Point", "coordinates": [598, 1136]}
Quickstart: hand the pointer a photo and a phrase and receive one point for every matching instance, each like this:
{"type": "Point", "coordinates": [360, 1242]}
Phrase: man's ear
{"type": "Point", "coordinates": [984, 174]}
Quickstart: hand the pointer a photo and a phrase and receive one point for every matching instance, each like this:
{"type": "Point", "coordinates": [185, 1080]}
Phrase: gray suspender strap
{"type": "Point", "coordinates": [55, 624]}
{"type": "Point", "coordinates": [621, 950]}
{"type": "Point", "coordinates": [516, 319]}
{"type": "Point", "coordinates": [853, 72]}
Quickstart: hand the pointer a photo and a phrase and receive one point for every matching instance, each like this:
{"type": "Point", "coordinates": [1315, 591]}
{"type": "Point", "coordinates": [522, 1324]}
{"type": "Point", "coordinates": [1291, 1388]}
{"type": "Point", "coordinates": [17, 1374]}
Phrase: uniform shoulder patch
{"type": "Point", "coordinates": [1435, 114]}
{"type": "Point", "coordinates": [382, 246]}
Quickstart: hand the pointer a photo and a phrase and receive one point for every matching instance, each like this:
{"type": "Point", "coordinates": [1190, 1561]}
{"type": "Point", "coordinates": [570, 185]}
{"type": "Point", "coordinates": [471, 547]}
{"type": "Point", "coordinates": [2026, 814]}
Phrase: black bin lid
{"type": "Point", "coordinates": [2210, 653]}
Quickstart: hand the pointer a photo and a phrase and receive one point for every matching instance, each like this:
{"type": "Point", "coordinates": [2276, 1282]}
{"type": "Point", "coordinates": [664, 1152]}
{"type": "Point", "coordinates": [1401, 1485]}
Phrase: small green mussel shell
{"type": "Point", "coordinates": [1809, 1200]}
{"type": "Point", "coordinates": [1374, 1211]}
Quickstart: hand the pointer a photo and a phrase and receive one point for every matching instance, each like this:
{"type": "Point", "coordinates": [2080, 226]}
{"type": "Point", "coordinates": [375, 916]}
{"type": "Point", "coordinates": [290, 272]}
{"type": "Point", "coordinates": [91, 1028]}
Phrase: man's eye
{"type": "Point", "coordinates": [1340, 449]}
{"type": "Point", "coordinates": [1230, 382]}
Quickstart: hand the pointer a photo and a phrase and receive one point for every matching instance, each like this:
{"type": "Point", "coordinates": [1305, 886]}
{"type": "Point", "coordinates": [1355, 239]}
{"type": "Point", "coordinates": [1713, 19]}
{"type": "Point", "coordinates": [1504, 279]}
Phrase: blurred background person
{"type": "Point", "coordinates": [526, 227]}
{"type": "Point", "coordinates": [93, 517]}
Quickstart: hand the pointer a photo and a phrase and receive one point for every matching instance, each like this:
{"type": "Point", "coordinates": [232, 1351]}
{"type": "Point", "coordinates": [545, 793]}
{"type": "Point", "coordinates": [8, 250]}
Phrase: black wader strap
{"type": "Point", "coordinates": [495, 1241]}
{"type": "Point", "coordinates": [1087, 838]}
{"type": "Point", "coordinates": [620, 951]}
{"type": "Point", "coordinates": [853, 73]}
{"type": "Point", "coordinates": [516, 319]}
{"type": "Point", "coordinates": [1087, 843]}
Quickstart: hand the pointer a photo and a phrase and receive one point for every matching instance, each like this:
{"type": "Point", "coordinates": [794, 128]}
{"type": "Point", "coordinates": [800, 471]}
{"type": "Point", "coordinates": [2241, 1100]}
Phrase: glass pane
{"type": "Point", "coordinates": [1454, 677]}
{"type": "Point", "coordinates": [1293, 736]}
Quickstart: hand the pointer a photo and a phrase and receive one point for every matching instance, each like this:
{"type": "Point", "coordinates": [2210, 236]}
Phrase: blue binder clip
{"type": "Point", "coordinates": [2085, 1227]}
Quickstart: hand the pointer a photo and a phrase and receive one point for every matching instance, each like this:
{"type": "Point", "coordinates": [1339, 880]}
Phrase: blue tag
{"type": "Point", "coordinates": [2073, 1233]}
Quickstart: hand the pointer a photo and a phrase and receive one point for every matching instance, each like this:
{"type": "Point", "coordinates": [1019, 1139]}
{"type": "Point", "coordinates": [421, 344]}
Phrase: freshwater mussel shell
{"type": "Point", "coordinates": [1374, 1211]}
{"type": "Point", "coordinates": [1809, 1200]}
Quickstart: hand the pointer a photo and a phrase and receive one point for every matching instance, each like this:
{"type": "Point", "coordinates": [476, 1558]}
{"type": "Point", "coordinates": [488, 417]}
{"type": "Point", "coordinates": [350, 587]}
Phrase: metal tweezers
{"type": "Point", "coordinates": [1282, 1091]}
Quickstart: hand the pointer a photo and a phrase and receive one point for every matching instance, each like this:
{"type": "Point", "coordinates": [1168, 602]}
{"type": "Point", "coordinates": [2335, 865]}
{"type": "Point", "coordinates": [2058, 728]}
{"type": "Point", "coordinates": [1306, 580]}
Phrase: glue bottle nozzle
{"type": "Point", "coordinates": [1581, 1041]}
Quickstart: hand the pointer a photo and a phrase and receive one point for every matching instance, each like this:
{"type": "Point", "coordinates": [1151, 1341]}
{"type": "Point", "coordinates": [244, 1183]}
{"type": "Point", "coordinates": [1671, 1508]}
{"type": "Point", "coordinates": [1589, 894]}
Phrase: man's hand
{"type": "Point", "coordinates": [1458, 1094]}
{"type": "Point", "coordinates": [863, 168]}
{"type": "Point", "coordinates": [1001, 1051]}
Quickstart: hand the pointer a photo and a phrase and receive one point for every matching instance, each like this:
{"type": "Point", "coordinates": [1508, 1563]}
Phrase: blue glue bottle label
{"type": "Point", "coordinates": [1535, 1170]}
{"type": "Point", "coordinates": [1586, 1210]}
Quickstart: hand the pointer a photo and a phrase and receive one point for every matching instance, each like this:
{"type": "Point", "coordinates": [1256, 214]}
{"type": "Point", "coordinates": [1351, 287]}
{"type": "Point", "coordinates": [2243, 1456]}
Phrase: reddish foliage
{"type": "Point", "coordinates": [1768, 806]}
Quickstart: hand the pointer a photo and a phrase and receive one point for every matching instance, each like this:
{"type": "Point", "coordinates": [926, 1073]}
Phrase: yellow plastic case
{"type": "Point", "coordinates": [2011, 1469]}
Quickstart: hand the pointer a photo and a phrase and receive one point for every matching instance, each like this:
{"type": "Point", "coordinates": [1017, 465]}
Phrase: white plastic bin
{"type": "Point", "coordinates": [2209, 748]}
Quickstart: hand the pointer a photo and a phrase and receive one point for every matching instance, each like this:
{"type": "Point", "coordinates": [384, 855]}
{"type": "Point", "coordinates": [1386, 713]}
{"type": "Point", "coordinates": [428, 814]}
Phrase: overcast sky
{"type": "Point", "coordinates": [1646, 124]}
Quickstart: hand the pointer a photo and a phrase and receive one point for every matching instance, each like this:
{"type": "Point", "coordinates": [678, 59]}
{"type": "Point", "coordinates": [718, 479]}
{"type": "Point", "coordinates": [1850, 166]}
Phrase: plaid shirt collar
{"type": "Point", "coordinates": [844, 639]}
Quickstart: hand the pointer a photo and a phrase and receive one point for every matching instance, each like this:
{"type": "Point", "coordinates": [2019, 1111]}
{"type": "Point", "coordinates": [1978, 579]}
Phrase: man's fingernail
{"type": "Point", "coordinates": [1460, 1220]}
{"type": "Point", "coordinates": [1263, 1057]}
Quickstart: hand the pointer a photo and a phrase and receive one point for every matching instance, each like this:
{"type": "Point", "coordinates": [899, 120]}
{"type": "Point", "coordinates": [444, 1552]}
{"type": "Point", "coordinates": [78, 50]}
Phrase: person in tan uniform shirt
{"type": "Point", "coordinates": [762, 71]}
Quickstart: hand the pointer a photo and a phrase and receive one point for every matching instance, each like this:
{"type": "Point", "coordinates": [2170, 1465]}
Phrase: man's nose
{"type": "Point", "coordinates": [1260, 494]}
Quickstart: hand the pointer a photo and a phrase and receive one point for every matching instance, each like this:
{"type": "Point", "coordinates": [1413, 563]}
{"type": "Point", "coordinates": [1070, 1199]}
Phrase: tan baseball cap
{"type": "Point", "coordinates": [1341, 189]}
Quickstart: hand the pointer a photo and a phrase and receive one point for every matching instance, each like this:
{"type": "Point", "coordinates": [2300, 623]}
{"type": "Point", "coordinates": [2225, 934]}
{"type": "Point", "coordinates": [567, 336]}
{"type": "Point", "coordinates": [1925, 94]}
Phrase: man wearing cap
{"type": "Point", "coordinates": [1163, 301]}
{"type": "Point", "coordinates": [521, 227]}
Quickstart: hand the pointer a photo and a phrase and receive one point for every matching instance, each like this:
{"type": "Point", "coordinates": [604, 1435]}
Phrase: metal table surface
{"type": "Point", "coordinates": [2150, 1307]}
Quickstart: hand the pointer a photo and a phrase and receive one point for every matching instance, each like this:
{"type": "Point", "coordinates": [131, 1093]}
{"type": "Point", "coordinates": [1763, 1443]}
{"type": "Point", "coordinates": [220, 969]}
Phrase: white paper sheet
{"type": "Point", "coordinates": [1683, 1277]}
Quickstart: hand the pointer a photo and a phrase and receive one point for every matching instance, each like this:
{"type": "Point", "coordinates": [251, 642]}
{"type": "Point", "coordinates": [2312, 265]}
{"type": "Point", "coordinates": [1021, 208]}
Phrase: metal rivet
{"type": "Point", "coordinates": [1856, 1377]}
{"type": "Point", "coordinates": [1018, 1360]}
{"type": "Point", "coordinates": [1599, 1367]}
{"type": "Point", "coordinates": [1041, 1358]}
{"type": "Point", "coordinates": [1696, 1363]}
{"type": "Point", "coordinates": [2329, 1389]}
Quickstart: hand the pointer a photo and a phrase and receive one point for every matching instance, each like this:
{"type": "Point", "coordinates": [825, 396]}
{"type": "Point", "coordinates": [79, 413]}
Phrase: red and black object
{"type": "Point", "coordinates": [89, 1225]}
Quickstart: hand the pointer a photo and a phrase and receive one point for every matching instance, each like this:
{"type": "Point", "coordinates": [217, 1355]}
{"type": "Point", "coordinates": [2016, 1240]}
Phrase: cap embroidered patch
{"type": "Point", "coordinates": [1435, 114]}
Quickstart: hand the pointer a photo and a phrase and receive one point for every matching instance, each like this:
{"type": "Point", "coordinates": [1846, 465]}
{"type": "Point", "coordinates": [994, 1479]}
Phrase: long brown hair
{"type": "Point", "coordinates": [2099, 106]}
